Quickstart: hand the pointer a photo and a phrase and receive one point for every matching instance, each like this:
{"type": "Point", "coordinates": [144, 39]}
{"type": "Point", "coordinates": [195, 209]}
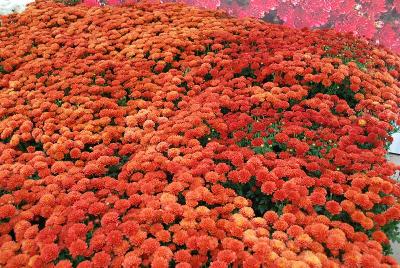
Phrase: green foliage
{"type": "Point", "coordinates": [167, 67]}
{"type": "Point", "coordinates": [208, 77]}
{"type": "Point", "coordinates": [260, 201]}
{"type": "Point", "coordinates": [247, 72]}
{"type": "Point", "coordinates": [317, 150]}
{"type": "Point", "coordinates": [206, 50]}
{"type": "Point", "coordinates": [5, 220]}
{"type": "Point", "coordinates": [366, 145]}
{"type": "Point", "coordinates": [113, 171]}
{"type": "Point", "coordinates": [342, 90]}
{"type": "Point", "coordinates": [213, 134]}
{"type": "Point", "coordinates": [181, 199]}
{"type": "Point", "coordinates": [35, 176]}
{"type": "Point", "coordinates": [2, 71]}
{"type": "Point", "coordinates": [65, 255]}
{"type": "Point", "coordinates": [58, 102]}
{"type": "Point", "coordinates": [23, 145]}
{"type": "Point", "coordinates": [39, 221]}
{"type": "Point", "coordinates": [225, 110]}
{"type": "Point", "coordinates": [187, 70]}
{"type": "Point", "coordinates": [122, 101]}
{"type": "Point", "coordinates": [269, 145]}
{"type": "Point", "coordinates": [4, 191]}
{"type": "Point", "coordinates": [106, 94]}
{"type": "Point", "coordinates": [392, 231]}
{"type": "Point", "coordinates": [6, 140]}
{"type": "Point", "coordinates": [176, 102]}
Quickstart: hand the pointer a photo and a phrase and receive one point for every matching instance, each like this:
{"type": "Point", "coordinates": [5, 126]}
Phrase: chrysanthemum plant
{"type": "Point", "coordinates": [160, 135]}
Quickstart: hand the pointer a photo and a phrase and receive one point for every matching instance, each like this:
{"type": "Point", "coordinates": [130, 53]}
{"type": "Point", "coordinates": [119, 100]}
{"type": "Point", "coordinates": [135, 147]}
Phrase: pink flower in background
{"type": "Point", "coordinates": [262, 6]}
{"type": "Point", "coordinates": [91, 2]}
{"type": "Point", "coordinates": [343, 7]}
{"type": "Point", "coordinates": [255, 8]}
{"type": "Point", "coordinates": [306, 13]}
{"type": "Point", "coordinates": [389, 37]}
{"type": "Point", "coordinates": [396, 5]}
{"type": "Point", "coordinates": [211, 4]}
{"type": "Point", "coordinates": [353, 22]}
{"type": "Point", "coordinates": [372, 8]}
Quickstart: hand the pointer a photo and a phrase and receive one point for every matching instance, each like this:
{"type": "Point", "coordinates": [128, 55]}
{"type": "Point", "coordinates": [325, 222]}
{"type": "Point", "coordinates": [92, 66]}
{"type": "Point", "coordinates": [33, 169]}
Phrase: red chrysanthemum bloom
{"type": "Point", "coordinates": [159, 262]}
{"type": "Point", "coordinates": [213, 177]}
{"type": "Point", "coordinates": [318, 198]}
{"type": "Point", "coordinates": [183, 265]}
{"type": "Point", "coordinates": [348, 206]}
{"type": "Point", "coordinates": [101, 259]}
{"type": "Point", "coordinates": [280, 225]}
{"type": "Point", "coordinates": [150, 245]}
{"type": "Point", "coordinates": [358, 216]}
{"type": "Point", "coordinates": [270, 216]}
{"type": "Point", "coordinates": [182, 255]}
{"type": "Point", "coordinates": [369, 261]}
{"type": "Point", "coordinates": [49, 252]}
{"type": "Point", "coordinates": [64, 264]}
{"type": "Point", "coordinates": [114, 238]}
{"type": "Point", "coordinates": [131, 260]}
{"type": "Point", "coordinates": [232, 244]}
{"type": "Point", "coordinates": [281, 138]}
{"type": "Point", "coordinates": [280, 195]}
{"type": "Point", "coordinates": [295, 230]}
{"type": "Point", "coordinates": [85, 264]}
{"type": "Point", "coordinates": [333, 207]}
{"type": "Point", "coordinates": [380, 237]}
{"type": "Point", "coordinates": [257, 142]}
{"type": "Point", "coordinates": [110, 219]}
{"type": "Point", "coordinates": [219, 263]}
{"type": "Point", "coordinates": [268, 187]}
{"type": "Point", "coordinates": [7, 211]}
{"type": "Point", "coordinates": [251, 262]}
{"type": "Point", "coordinates": [318, 231]}
{"type": "Point", "coordinates": [336, 239]}
{"type": "Point", "coordinates": [77, 248]}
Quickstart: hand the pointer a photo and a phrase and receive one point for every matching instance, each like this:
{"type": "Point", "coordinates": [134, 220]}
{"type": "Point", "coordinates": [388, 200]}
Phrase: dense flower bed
{"type": "Point", "coordinates": [376, 19]}
{"type": "Point", "coordinates": [163, 135]}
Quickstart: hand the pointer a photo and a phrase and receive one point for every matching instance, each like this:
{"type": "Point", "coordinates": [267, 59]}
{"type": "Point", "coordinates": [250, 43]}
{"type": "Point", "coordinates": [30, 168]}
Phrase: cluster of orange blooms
{"type": "Point", "coordinates": [161, 135]}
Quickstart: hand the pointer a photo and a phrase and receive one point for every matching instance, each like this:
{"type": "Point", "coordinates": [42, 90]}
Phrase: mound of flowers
{"type": "Point", "coordinates": [161, 135]}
